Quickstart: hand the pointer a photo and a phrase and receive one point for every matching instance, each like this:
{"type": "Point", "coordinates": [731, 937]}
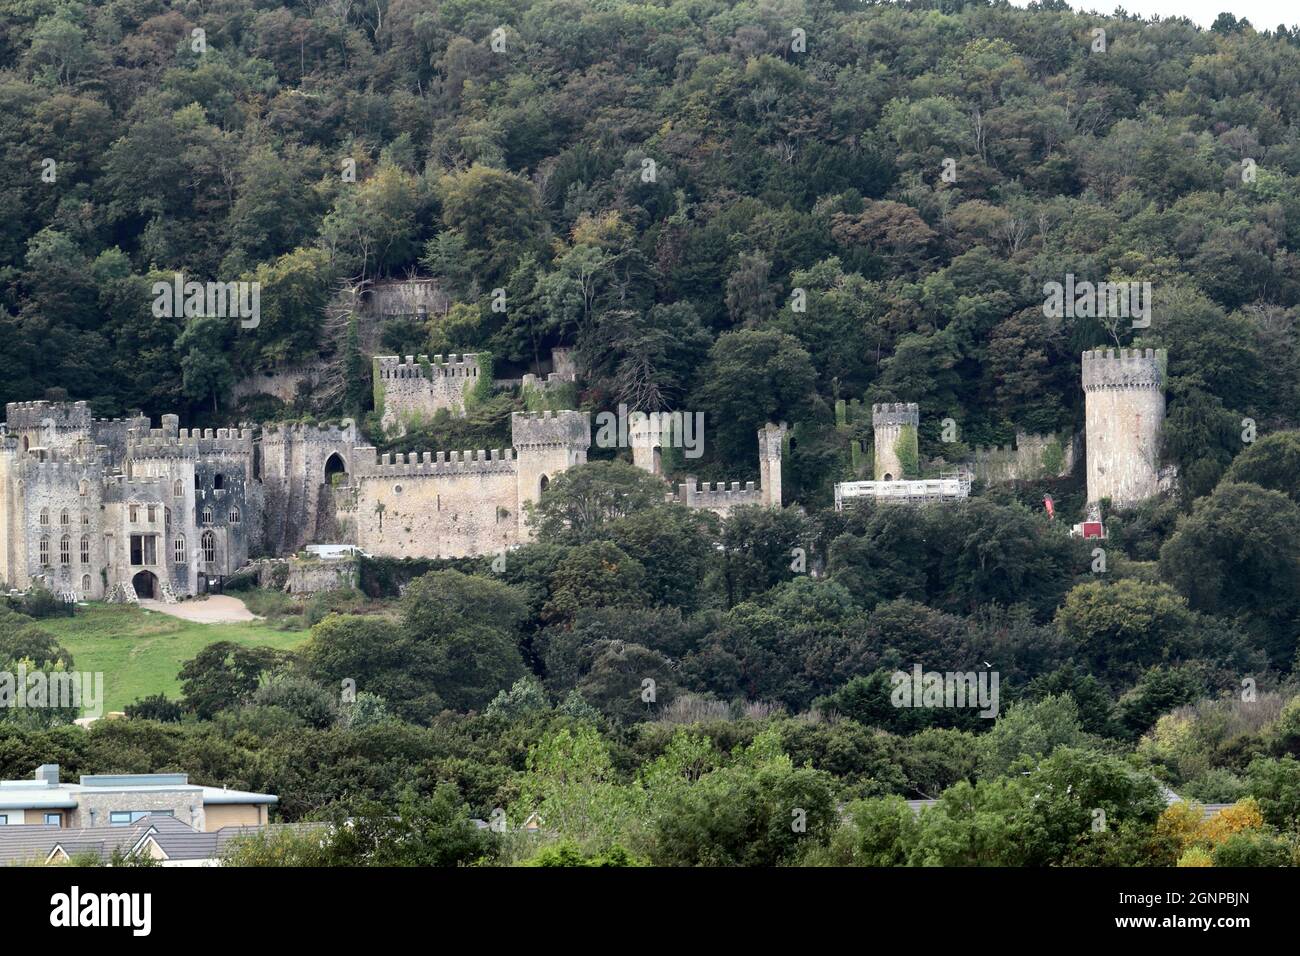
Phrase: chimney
{"type": "Point", "coordinates": [49, 772]}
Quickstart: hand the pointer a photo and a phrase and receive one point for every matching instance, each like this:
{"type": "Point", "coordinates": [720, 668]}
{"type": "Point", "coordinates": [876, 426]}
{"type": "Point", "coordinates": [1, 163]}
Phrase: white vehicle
{"type": "Point", "coordinates": [335, 552]}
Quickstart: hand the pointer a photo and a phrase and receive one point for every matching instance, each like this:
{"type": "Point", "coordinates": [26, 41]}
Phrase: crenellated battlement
{"type": "Point", "coordinates": [326, 432]}
{"type": "Point", "coordinates": [551, 428]}
{"type": "Point", "coordinates": [895, 413]}
{"type": "Point", "coordinates": [391, 367]}
{"type": "Point", "coordinates": [189, 443]}
{"type": "Point", "coordinates": [494, 461]}
{"type": "Point", "coordinates": [1129, 368]}
{"type": "Point", "coordinates": [65, 416]}
{"type": "Point", "coordinates": [719, 496]}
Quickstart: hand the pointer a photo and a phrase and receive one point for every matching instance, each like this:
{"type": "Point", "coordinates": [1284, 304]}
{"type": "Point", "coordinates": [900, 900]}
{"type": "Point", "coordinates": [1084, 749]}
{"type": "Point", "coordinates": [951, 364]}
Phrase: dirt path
{"type": "Point", "coordinates": [213, 609]}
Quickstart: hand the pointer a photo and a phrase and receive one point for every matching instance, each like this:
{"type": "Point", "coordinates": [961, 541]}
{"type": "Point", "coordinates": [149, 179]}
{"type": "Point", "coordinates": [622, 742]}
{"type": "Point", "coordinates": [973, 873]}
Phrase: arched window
{"type": "Point", "coordinates": [85, 487]}
{"type": "Point", "coordinates": [178, 489]}
{"type": "Point", "coordinates": [65, 550]}
{"type": "Point", "coordinates": [85, 549]}
{"type": "Point", "coordinates": [85, 585]}
{"type": "Point", "coordinates": [209, 543]}
{"type": "Point", "coordinates": [64, 520]}
{"type": "Point", "coordinates": [206, 517]}
{"type": "Point", "coordinates": [218, 481]}
{"type": "Point", "coordinates": [45, 552]}
{"type": "Point", "coordinates": [178, 549]}
{"type": "Point", "coordinates": [85, 519]}
{"type": "Point", "coordinates": [234, 516]}
{"type": "Point", "coordinates": [45, 517]}
{"type": "Point", "coordinates": [543, 484]}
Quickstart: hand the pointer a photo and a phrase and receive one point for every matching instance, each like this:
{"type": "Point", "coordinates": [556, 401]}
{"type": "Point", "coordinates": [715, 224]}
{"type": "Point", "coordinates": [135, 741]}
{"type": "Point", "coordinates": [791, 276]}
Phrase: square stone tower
{"type": "Point", "coordinates": [547, 443]}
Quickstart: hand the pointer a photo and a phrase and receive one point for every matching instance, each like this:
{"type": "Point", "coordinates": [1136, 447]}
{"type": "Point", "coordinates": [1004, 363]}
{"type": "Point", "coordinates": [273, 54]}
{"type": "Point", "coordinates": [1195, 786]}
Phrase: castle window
{"type": "Point", "coordinates": [178, 549]}
{"type": "Point", "coordinates": [218, 481]}
{"type": "Point", "coordinates": [167, 517]}
{"type": "Point", "coordinates": [85, 549]}
{"type": "Point", "coordinates": [209, 543]}
{"type": "Point", "coordinates": [65, 550]}
{"type": "Point", "coordinates": [135, 513]}
{"type": "Point", "coordinates": [206, 517]}
{"type": "Point", "coordinates": [85, 585]}
{"type": "Point", "coordinates": [198, 482]}
{"type": "Point", "coordinates": [63, 517]}
{"type": "Point", "coordinates": [178, 489]}
{"type": "Point", "coordinates": [234, 516]}
{"type": "Point", "coordinates": [85, 519]}
{"type": "Point", "coordinates": [153, 513]}
{"type": "Point", "coordinates": [84, 487]}
{"type": "Point", "coordinates": [543, 484]}
{"type": "Point", "coordinates": [45, 517]}
{"type": "Point", "coordinates": [45, 552]}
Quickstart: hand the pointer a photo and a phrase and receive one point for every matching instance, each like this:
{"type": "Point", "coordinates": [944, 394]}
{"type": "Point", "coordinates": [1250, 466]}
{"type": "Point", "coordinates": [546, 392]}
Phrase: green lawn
{"type": "Point", "coordinates": [140, 652]}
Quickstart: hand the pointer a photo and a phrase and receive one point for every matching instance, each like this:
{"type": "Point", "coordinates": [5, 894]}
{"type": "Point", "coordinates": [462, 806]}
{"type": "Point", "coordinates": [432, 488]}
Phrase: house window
{"type": "Point", "coordinates": [65, 550]}
{"type": "Point", "coordinates": [206, 517]}
{"type": "Point", "coordinates": [63, 518]}
{"type": "Point", "coordinates": [209, 543]}
{"type": "Point", "coordinates": [85, 549]}
{"type": "Point", "coordinates": [45, 552]}
{"type": "Point", "coordinates": [178, 489]}
{"type": "Point", "coordinates": [178, 550]}
{"type": "Point", "coordinates": [122, 818]}
{"type": "Point", "coordinates": [4, 819]}
{"type": "Point", "coordinates": [55, 819]}
{"type": "Point", "coordinates": [144, 549]}
{"type": "Point", "coordinates": [45, 517]}
{"type": "Point", "coordinates": [234, 516]}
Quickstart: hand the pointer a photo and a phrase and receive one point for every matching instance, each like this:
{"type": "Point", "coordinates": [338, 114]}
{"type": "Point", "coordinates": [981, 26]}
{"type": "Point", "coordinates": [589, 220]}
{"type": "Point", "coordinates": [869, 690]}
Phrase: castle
{"type": "Point", "coordinates": [121, 511]}
{"type": "Point", "coordinates": [1124, 419]}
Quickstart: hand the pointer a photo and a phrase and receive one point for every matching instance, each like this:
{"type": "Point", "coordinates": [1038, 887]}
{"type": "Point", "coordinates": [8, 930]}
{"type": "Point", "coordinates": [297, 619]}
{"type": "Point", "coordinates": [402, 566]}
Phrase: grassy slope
{"type": "Point", "coordinates": [140, 652]}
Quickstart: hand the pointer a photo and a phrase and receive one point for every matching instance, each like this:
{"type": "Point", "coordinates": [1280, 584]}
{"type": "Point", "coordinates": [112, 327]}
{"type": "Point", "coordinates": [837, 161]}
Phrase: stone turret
{"type": "Point", "coordinates": [547, 443]}
{"type": "Point", "coordinates": [896, 449]}
{"type": "Point", "coordinates": [1125, 409]}
{"type": "Point", "coordinates": [771, 443]}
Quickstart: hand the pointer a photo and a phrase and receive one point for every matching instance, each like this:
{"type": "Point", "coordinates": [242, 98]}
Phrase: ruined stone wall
{"type": "Point", "coordinates": [1031, 458]}
{"type": "Point", "coordinates": [1125, 412]}
{"type": "Point", "coordinates": [411, 389]}
{"type": "Point", "coordinates": [281, 383]}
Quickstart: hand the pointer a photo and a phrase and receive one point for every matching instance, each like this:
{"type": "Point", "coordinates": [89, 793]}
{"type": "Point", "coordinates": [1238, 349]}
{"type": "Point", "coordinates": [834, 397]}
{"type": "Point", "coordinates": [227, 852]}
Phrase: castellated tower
{"type": "Point", "coordinates": [897, 452]}
{"type": "Point", "coordinates": [1125, 398]}
{"type": "Point", "coordinates": [547, 443]}
{"type": "Point", "coordinates": [771, 440]}
{"type": "Point", "coordinates": [410, 390]}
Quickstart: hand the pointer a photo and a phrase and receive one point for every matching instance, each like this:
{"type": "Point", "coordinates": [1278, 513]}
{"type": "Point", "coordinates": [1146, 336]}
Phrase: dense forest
{"type": "Point", "coordinates": [755, 210]}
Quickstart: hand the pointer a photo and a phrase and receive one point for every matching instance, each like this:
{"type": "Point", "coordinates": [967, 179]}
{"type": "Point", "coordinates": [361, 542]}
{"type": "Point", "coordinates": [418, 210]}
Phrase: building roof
{"type": "Point", "coordinates": [178, 842]}
{"type": "Point", "coordinates": [46, 793]}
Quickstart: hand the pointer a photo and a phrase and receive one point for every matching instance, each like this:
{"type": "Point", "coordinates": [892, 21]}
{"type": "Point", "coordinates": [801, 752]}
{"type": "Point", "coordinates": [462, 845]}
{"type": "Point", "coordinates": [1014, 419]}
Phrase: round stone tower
{"type": "Point", "coordinates": [897, 451]}
{"type": "Point", "coordinates": [1125, 400]}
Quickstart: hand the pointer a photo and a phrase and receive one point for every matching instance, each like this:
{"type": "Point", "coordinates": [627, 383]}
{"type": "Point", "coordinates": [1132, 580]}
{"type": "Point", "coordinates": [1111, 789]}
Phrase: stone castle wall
{"type": "Point", "coordinates": [1031, 458]}
{"type": "Point", "coordinates": [411, 389]}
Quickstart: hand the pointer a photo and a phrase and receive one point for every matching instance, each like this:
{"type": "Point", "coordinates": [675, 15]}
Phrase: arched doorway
{"type": "Point", "coordinates": [334, 465]}
{"type": "Point", "coordinates": [146, 585]}
{"type": "Point", "coordinates": [543, 485]}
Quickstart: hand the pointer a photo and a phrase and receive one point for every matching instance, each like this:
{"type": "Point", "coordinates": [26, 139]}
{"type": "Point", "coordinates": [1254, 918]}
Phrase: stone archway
{"type": "Point", "coordinates": [146, 585]}
{"type": "Point", "coordinates": [334, 465]}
